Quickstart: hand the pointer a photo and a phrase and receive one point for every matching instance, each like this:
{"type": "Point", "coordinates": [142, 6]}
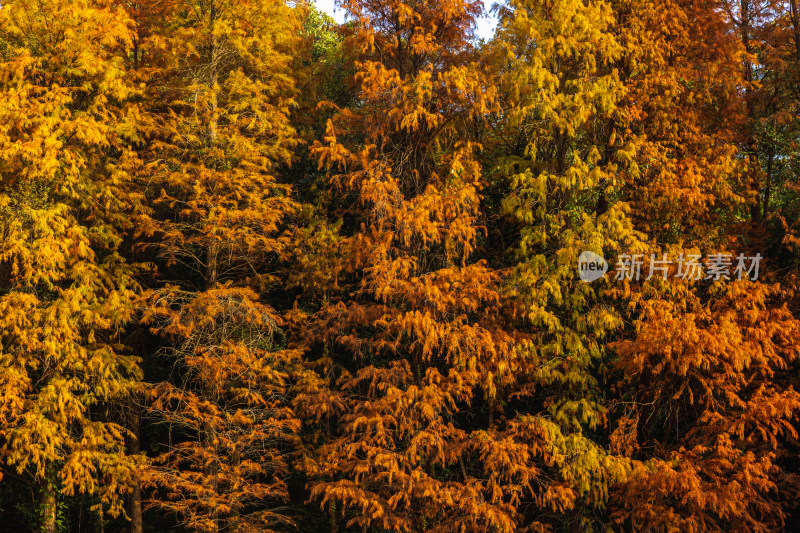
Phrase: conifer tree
{"type": "Point", "coordinates": [703, 406]}
{"type": "Point", "coordinates": [65, 291]}
{"type": "Point", "coordinates": [682, 107]}
{"type": "Point", "coordinates": [217, 131]}
{"type": "Point", "coordinates": [564, 161]}
{"type": "Point", "coordinates": [708, 398]}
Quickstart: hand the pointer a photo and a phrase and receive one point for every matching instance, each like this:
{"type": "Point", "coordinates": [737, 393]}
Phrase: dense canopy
{"type": "Point", "coordinates": [260, 271]}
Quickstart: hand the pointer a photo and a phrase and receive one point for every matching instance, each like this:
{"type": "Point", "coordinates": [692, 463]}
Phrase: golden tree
{"type": "Point", "coordinates": [681, 106]}
{"type": "Point", "coordinates": [225, 464]}
{"type": "Point", "coordinates": [708, 397]}
{"type": "Point", "coordinates": [65, 291]}
{"type": "Point", "coordinates": [564, 162]}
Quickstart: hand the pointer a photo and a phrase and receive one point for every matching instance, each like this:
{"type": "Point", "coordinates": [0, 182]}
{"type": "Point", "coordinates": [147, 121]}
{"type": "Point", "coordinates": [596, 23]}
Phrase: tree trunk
{"type": "Point", "coordinates": [768, 185]}
{"type": "Point", "coordinates": [213, 59]}
{"type": "Point", "coordinates": [211, 265]}
{"type": "Point", "coordinates": [795, 16]}
{"type": "Point", "coordinates": [135, 501]}
{"type": "Point", "coordinates": [211, 472]}
{"type": "Point", "coordinates": [750, 144]}
{"type": "Point", "coordinates": [48, 509]}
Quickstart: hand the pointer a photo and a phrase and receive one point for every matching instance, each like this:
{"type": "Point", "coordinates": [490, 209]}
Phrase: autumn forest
{"type": "Point", "coordinates": [262, 271]}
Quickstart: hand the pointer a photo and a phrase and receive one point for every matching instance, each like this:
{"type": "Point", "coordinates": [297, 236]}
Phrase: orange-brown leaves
{"type": "Point", "coordinates": [218, 130]}
{"type": "Point", "coordinates": [229, 405]}
{"type": "Point", "coordinates": [419, 321]}
{"type": "Point", "coordinates": [709, 393]}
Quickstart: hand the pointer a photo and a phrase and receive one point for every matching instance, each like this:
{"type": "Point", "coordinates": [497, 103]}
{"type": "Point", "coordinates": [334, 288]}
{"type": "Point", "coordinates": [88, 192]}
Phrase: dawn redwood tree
{"type": "Point", "coordinates": [65, 291]}
{"type": "Point", "coordinates": [683, 105]}
{"type": "Point", "coordinates": [708, 414]}
{"type": "Point", "coordinates": [563, 161]}
{"type": "Point", "coordinates": [704, 401]}
{"type": "Point", "coordinates": [226, 464]}
{"type": "Point", "coordinates": [216, 131]}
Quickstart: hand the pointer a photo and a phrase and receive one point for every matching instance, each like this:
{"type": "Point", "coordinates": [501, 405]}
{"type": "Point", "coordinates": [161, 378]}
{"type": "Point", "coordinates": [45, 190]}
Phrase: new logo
{"type": "Point", "coordinates": [591, 266]}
